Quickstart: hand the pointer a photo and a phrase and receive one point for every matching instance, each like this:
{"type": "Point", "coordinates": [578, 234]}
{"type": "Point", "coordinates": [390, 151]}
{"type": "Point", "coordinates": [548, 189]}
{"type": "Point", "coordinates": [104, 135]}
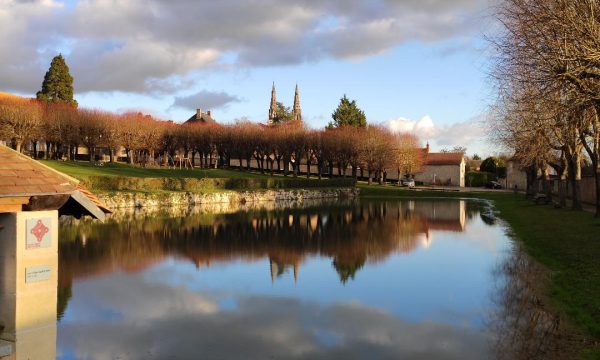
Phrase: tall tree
{"type": "Point", "coordinates": [58, 83]}
{"type": "Point", "coordinates": [348, 114]}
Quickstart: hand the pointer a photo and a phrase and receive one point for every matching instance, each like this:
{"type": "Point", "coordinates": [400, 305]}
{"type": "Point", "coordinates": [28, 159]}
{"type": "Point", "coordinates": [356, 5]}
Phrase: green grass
{"type": "Point", "coordinates": [566, 242]}
{"type": "Point", "coordinates": [83, 169]}
{"type": "Point", "coordinates": [126, 178]}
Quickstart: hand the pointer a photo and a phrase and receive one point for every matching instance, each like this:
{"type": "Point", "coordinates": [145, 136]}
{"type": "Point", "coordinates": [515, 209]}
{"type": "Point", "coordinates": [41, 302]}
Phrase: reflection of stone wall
{"type": "Point", "coordinates": [187, 199]}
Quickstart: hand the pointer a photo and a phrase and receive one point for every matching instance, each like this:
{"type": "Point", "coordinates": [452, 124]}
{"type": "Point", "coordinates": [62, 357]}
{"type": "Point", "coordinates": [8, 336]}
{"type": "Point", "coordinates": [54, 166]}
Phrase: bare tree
{"type": "Point", "coordinates": [20, 120]}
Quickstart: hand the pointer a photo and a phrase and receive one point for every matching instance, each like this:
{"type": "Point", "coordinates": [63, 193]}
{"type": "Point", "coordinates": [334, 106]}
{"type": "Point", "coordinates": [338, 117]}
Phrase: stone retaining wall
{"type": "Point", "coordinates": [121, 200]}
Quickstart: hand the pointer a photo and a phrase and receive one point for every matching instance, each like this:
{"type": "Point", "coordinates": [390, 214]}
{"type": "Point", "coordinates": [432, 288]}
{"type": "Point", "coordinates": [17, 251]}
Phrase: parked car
{"type": "Point", "coordinates": [493, 185]}
{"type": "Point", "coordinates": [408, 182]}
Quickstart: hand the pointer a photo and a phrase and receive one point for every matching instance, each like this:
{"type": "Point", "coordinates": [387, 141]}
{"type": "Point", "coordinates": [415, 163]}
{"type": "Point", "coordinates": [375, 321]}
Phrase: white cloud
{"type": "Point", "coordinates": [137, 45]}
{"type": "Point", "coordinates": [471, 133]}
{"type": "Point", "coordinates": [423, 128]}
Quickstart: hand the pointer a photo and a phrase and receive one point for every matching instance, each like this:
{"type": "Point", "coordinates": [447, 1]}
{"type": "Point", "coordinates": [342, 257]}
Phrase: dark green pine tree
{"type": "Point", "coordinates": [347, 113]}
{"type": "Point", "coordinates": [58, 83]}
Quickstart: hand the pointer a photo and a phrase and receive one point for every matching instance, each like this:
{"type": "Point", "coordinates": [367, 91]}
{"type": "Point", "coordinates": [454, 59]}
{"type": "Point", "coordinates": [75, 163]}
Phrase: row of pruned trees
{"type": "Point", "coordinates": [369, 151]}
{"type": "Point", "coordinates": [548, 77]}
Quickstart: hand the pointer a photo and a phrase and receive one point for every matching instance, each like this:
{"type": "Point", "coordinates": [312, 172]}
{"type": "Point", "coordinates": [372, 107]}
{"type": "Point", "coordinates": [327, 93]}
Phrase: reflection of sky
{"type": "Point", "coordinates": [165, 321]}
{"type": "Point", "coordinates": [449, 281]}
{"type": "Point", "coordinates": [430, 302]}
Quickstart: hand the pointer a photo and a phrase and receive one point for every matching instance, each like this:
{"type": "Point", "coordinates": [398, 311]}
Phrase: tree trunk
{"type": "Point", "coordinates": [320, 169]}
{"type": "Point", "coordinates": [286, 166]}
{"type": "Point", "coordinates": [35, 149]}
{"type": "Point", "coordinates": [381, 177]}
{"type": "Point", "coordinates": [18, 145]}
{"type": "Point", "coordinates": [547, 185]}
{"type": "Point", "coordinates": [562, 184]}
{"type": "Point", "coordinates": [91, 153]}
{"type": "Point", "coordinates": [370, 177]}
{"type": "Point", "coordinates": [112, 156]}
{"type": "Point", "coordinates": [531, 174]}
{"type": "Point", "coordinates": [575, 176]}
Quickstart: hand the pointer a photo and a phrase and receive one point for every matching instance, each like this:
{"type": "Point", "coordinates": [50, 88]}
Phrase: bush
{"type": "Point", "coordinates": [495, 166]}
{"type": "Point", "coordinates": [478, 179]}
{"type": "Point", "coordinates": [122, 183]}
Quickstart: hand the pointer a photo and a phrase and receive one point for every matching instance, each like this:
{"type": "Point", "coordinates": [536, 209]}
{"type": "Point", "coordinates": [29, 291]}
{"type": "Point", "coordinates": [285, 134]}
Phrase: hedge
{"type": "Point", "coordinates": [478, 178]}
{"type": "Point", "coordinates": [122, 183]}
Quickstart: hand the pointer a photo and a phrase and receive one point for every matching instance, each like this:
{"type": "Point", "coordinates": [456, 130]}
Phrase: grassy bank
{"type": "Point", "coordinates": [83, 169]}
{"type": "Point", "coordinates": [566, 242]}
{"type": "Point", "coordinates": [122, 177]}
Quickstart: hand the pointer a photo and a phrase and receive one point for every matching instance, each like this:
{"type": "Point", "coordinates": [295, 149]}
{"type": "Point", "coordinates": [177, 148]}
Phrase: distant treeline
{"type": "Point", "coordinates": [63, 128]}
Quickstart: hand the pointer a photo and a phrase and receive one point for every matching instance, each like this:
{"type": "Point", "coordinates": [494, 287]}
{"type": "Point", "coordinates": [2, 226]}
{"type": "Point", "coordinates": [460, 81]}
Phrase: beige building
{"type": "Point", "coordinates": [446, 169]}
{"type": "Point", "coordinates": [515, 176]}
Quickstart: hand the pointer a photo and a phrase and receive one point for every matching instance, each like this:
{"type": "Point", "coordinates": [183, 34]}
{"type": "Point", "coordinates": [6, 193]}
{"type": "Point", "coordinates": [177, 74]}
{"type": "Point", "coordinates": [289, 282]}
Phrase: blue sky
{"type": "Point", "coordinates": [417, 66]}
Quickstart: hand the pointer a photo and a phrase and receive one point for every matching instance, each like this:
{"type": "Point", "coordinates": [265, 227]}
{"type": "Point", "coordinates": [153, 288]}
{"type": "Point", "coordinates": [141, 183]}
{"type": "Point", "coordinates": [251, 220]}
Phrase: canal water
{"type": "Point", "coordinates": [422, 279]}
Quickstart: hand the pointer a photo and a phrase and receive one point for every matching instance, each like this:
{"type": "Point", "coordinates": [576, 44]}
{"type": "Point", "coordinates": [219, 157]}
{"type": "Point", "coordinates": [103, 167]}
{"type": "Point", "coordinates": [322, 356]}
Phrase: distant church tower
{"type": "Point", "coordinates": [297, 110]}
{"type": "Point", "coordinates": [273, 107]}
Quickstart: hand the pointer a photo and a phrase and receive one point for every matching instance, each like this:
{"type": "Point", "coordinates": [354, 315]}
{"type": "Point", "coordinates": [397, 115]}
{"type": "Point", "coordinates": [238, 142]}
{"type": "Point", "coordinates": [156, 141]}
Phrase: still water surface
{"type": "Point", "coordinates": [370, 279]}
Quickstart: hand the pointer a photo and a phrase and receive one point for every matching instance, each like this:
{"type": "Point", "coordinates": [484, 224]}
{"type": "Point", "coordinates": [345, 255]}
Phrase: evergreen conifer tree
{"type": "Point", "coordinates": [58, 83]}
{"type": "Point", "coordinates": [347, 113]}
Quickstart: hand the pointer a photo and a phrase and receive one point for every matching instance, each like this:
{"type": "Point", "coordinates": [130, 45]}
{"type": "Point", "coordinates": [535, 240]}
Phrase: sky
{"type": "Point", "coordinates": [415, 66]}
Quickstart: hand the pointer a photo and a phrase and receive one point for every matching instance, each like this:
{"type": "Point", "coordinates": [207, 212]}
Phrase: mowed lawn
{"type": "Point", "coordinates": [83, 169]}
{"type": "Point", "coordinates": [565, 242]}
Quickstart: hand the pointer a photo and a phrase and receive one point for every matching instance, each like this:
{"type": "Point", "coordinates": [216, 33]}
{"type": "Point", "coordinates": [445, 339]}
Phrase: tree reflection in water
{"type": "Point", "coordinates": [523, 325]}
{"type": "Point", "coordinates": [350, 234]}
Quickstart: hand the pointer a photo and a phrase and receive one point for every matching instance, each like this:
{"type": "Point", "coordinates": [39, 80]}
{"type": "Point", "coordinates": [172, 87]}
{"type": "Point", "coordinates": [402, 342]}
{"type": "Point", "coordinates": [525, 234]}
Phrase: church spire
{"type": "Point", "coordinates": [273, 107]}
{"type": "Point", "coordinates": [297, 110]}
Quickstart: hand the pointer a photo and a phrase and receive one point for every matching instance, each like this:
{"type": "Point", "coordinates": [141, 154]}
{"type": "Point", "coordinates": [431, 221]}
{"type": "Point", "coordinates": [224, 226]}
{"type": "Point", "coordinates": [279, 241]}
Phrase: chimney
{"type": "Point", "coordinates": [427, 147]}
{"type": "Point", "coordinates": [198, 113]}
{"type": "Point", "coordinates": [208, 113]}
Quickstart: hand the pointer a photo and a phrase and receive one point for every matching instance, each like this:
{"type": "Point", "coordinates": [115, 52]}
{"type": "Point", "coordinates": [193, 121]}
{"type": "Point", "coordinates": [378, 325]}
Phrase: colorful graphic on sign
{"type": "Point", "coordinates": [38, 233]}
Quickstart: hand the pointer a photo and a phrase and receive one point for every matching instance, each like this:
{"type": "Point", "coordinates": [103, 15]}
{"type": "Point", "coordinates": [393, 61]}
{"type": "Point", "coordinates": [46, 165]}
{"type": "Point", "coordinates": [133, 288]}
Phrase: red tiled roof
{"type": "Point", "coordinates": [444, 158]}
{"type": "Point", "coordinates": [23, 176]}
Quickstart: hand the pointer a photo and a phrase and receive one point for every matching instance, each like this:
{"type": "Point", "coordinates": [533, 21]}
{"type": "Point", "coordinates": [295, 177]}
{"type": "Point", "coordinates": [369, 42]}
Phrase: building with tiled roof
{"type": "Point", "coordinates": [445, 168]}
{"type": "Point", "coordinates": [201, 117]}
